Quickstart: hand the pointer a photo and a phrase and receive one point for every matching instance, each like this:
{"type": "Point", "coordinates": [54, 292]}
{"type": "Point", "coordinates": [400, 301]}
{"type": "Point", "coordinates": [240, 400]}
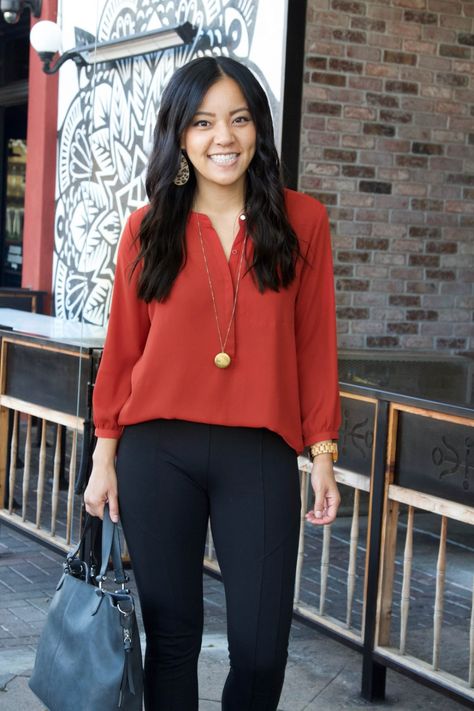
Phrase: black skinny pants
{"type": "Point", "coordinates": [172, 476]}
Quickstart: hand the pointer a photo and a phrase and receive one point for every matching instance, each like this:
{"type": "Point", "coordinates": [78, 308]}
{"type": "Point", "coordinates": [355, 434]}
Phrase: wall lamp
{"type": "Point", "coordinates": [12, 9]}
{"type": "Point", "coordinates": [46, 39]}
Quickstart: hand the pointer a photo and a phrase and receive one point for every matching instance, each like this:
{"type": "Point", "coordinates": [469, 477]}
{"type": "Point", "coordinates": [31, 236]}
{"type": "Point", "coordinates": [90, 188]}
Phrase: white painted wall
{"type": "Point", "coordinates": [106, 118]}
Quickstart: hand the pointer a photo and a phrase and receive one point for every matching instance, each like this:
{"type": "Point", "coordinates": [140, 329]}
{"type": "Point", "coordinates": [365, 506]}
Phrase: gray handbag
{"type": "Point", "coordinates": [89, 656]}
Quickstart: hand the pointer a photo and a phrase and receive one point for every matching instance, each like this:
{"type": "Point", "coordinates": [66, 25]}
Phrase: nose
{"type": "Point", "coordinates": [223, 135]}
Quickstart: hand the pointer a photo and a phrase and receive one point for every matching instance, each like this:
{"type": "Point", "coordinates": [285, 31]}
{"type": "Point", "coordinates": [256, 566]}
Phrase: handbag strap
{"type": "Point", "coordinates": [111, 546]}
{"type": "Point", "coordinates": [74, 552]}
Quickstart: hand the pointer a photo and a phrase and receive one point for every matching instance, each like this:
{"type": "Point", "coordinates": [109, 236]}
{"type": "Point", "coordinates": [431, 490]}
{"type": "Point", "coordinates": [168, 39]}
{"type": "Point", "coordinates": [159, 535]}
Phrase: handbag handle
{"type": "Point", "coordinates": [110, 546]}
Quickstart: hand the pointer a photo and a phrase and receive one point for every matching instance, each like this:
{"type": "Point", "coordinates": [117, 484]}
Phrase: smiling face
{"type": "Point", "coordinates": [220, 142]}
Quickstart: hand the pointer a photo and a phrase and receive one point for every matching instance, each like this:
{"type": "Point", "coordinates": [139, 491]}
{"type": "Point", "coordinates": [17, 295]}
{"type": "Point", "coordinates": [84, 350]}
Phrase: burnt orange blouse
{"type": "Point", "coordinates": [158, 358]}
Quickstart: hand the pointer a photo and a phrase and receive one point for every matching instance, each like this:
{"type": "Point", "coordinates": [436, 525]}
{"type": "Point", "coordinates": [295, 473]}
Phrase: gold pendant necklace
{"type": "Point", "coordinates": [222, 359]}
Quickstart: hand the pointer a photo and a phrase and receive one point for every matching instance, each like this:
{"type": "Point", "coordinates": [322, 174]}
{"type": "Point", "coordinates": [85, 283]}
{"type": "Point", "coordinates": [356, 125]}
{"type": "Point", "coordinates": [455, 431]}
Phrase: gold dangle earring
{"type": "Point", "coordinates": [182, 176]}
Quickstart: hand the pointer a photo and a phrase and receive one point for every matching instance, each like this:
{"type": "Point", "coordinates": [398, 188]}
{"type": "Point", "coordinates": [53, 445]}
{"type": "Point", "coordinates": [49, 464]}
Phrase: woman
{"type": "Point", "coordinates": [219, 367]}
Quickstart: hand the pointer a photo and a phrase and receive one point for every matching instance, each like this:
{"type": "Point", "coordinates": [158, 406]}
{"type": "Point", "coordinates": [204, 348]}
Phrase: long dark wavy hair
{"type": "Point", "coordinates": [162, 230]}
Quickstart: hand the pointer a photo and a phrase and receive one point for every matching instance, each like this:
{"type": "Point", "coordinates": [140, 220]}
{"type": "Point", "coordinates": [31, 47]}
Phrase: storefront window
{"type": "Point", "coordinates": [14, 212]}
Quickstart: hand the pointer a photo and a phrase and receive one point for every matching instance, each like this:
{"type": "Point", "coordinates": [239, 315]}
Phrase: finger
{"type": "Point", "coordinates": [322, 521]}
{"type": "Point", "coordinates": [113, 507]}
{"type": "Point", "coordinates": [97, 512]}
{"type": "Point", "coordinates": [95, 507]}
{"type": "Point", "coordinates": [317, 517]}
{"type": "Point", "coordinates": [333, 501]}
{"type": "Point", "coordinates": [332, 509]}
{"type": "Point", "coordinates": [319, 503]}
{"type": "Point", "coordinates": [325, 508]}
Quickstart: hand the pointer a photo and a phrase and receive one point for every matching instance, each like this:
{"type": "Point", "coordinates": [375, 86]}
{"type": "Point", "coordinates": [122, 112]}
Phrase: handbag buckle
{"type": "Point", "coordinates": [122, 579]}
{"type": "Point", "coordinates": [101, 581]}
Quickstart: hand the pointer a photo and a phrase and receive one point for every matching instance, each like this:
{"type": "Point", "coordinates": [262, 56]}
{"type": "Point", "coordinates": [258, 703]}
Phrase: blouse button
{"type": "Point", "coordinates": [234, 251]}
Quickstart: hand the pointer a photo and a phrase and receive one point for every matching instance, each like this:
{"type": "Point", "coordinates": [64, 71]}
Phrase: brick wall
{"type": "Point", "coordinates": [388, 146]}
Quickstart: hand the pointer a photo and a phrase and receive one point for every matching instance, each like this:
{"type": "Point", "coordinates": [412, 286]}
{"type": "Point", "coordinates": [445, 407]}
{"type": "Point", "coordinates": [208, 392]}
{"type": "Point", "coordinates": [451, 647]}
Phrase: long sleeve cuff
{"type": "Point", "coordinates": [321, 437]}
{"type": "Point", "coordinates": [108, 433]}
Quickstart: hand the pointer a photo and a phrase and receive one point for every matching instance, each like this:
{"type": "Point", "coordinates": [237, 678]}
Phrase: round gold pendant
{"type": "Point", "coordinates": [222, 360]}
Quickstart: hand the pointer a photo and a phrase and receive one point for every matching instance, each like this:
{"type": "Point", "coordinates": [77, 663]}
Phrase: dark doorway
{"type": "Point", "coordinates": [14, 153]}
{"type": "Point", "coordinates": [14, 53]}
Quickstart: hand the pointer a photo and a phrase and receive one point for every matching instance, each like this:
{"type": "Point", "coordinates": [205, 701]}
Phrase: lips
{"type": "Point", "coordinates": [224, 158]}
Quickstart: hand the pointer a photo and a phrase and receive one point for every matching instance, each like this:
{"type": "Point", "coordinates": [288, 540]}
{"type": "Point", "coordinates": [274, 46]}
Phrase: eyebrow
{"type": "Point", "coordinates": [209, 113]}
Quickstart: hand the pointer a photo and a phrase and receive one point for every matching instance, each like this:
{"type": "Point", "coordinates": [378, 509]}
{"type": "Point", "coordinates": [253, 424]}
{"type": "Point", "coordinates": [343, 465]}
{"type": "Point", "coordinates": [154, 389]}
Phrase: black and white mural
{"type": "Point", "coordinates": [107, 113]}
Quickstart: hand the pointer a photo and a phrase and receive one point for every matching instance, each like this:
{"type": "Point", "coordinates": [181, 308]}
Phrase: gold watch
{"type": "Point", "coordinates": [320, 447]}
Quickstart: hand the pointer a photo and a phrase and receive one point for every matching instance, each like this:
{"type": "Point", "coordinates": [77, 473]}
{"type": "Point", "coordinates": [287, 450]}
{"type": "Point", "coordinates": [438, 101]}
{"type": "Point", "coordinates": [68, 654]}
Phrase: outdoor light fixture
{"type": "Point", "coordinates": [46, 40]}
{"type": "Point", "coordinates": [12, 9]}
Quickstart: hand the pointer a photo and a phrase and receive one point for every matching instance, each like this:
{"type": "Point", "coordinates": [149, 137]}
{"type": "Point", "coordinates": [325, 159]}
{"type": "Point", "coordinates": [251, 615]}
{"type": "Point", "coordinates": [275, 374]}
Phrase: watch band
{"type": "Point", "coordinates": [322, 447]}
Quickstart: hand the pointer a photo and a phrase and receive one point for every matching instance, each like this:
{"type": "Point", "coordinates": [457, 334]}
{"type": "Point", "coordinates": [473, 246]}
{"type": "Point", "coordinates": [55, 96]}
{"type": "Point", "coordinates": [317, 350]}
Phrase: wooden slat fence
{"type": "Point", "coordinates": [42, 456]}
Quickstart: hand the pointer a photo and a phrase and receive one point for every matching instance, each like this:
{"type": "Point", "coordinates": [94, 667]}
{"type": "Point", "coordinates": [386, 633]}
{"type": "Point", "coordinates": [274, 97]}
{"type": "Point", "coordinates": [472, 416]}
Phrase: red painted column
{"type": "Point", "coordinates": [41, 139]}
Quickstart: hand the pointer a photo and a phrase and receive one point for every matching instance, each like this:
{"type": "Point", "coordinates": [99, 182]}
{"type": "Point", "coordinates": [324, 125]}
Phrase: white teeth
{"type": "Point", "coordinates": [223, 158]}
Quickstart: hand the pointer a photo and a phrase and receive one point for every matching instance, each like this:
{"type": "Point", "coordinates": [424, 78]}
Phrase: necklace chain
{"type": "Point", "coordinates": [222, 342]}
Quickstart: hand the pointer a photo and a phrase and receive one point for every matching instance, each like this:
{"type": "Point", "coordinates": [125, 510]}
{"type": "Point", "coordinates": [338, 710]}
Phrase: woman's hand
{"type": "Point", "coordinates": [326, 494]}
{"type": "Point", "coordinates": [102, 485]}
